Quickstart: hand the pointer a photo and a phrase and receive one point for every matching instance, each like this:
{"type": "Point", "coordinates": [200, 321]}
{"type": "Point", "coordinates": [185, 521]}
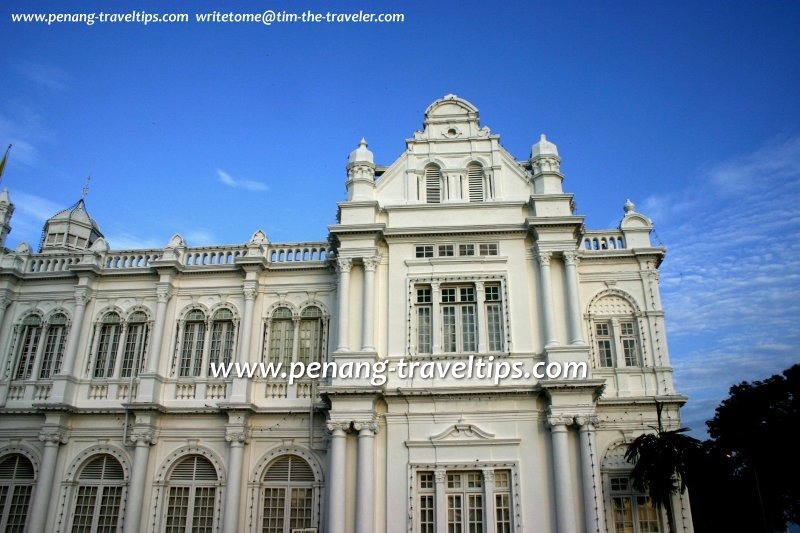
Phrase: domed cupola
{"type": "Point", "coordinates": [70, 230]}
{"type": "Point", "coordinates": [361, 174]}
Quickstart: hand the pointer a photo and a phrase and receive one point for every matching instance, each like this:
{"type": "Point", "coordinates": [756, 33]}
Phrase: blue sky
{"type": "Point", "coordinates": [689, 108]}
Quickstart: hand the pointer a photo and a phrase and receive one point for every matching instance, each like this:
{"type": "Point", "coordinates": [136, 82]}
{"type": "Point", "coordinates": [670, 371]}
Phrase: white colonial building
{"type": "Point", "coordinates": [110, 419]}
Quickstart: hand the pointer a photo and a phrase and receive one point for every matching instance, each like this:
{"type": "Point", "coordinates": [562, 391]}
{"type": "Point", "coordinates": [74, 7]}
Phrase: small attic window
{"type": "Point", "coordinates": [452, 132]}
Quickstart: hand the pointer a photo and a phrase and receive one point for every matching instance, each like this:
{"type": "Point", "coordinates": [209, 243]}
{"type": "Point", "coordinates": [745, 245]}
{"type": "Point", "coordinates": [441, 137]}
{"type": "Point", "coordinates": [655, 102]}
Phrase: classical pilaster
{"type": "Point", "coordinates": [436, 334]}
{"type": "Point", "coordinates": [52, 439]}
{"type": "Point", "coordinates": [480, 298]}
{"type": "Point", "coordinates": [81, 299]}
{"type": "Point", "coordinates": [236, 438]}
{"type": "Point", "coordinates": [135, 505]}
{"type": "Point", "coordinates": [337, 481]}
{"type": "Point", "coordinates": [365, 476]}
{"type": "Point", "coordinates": [546, 288]}
{"type": "Point", "coordinates": [344, 266]}
{"type": "Point", "coordinates": [573, 297]}
{"type": "Point", "coordinates": [488, 498]}
{"type": "Point", "coordinates": [440, 475]}
{"type": "Point", "coordinates": [163, 294]}
{"type": "Point", "coordinates": [368, 307]}
{"type": "Point", "coordinates": [562, 476]}
{"type": "Point", "coordinates": [250, 290]}
{"type": "Point", "coordinates": [5, 301]}
{"type": "Point", "coordinates": [592, 501]}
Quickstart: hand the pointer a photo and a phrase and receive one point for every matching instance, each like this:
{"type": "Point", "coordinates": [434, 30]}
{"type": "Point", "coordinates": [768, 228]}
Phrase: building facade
{"type": "Point", "coordinates": [111, 419]}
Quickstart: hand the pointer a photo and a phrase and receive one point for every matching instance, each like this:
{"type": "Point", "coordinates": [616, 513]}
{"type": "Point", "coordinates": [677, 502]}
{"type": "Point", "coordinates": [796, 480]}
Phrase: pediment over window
{"type": "Point", "coordinates": [463, 431]}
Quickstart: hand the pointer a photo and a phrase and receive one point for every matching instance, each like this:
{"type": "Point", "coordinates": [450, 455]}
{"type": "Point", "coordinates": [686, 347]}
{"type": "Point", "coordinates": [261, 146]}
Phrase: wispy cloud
{"type": "Point", "coordinates": [732, 273]}
{"type": "Point", "coordinates": [250, 185]}
{"type": "Point", "coordinates": [46, 75]}
{"type": "Point", "coordinates": [200, 237]}
{"type": "Point", "coordinates": [129, 241]}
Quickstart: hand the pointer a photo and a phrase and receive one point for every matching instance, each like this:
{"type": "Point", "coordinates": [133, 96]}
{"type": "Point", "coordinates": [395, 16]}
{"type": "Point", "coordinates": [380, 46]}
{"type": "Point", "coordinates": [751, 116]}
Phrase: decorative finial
{"type": "Point", "coordinates": [542, 137]}
{"type": "Point", "coordinates": [85, 189]}
{"type": "Point", "coordinates": [629, 207]}
{"type": "Point", "coordinates": [363, 142]}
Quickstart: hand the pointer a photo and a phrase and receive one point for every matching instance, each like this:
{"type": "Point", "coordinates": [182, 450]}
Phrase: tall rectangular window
{"type": "Point", "coordinates": [459, 324]}
{"type": "Point", "coordinates": [30, 335]}
{"type": "Point", "coordinates": [424, 325]}
{"type": "Point", "coordinates": [604, 342]}
{"type": "Point", "coordinates": [192, 344]}
{"type": "Point", "coordinates": [629, 345]}
{"type": "Point", "coordinates": [502, 501]}
{"type": "Point", "coordinates": [427, 498]}
{"type": "Point", "coordinates": [494, 318]}
{"type": "Point", "coordinates": [633, 512]}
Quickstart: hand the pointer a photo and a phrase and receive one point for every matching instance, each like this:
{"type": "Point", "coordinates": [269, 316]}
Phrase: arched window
{"type": "Point", "coordinates": [30, 334]}
{"type": "Point", "coordinates": [191, 496]}
{"type": "Point", "coordinates": [192, 343]}
{"type": "Point", "coordinates": [311, 335]}
{"type": "Point", "coordinates": [222, 336]}
{"type": "Point", "coordinates": [55, 339]}
{"type": "Point", "coordinates": [281, 336]}
{"type": "Point", "coordinates": [475, 179]}
{"type": "Point", "coordinates": [288, 495]}
{"type": "Point", "coordinates": [433, 184]}
{"type": "Point", "coordinates": [106, 357]}
{"type": "Point", "coordinates": [631, 510]}
{"type": "Point", "coordinates": [16, 487]}
{"type": "Point", "coordinates": [615, 332]}
{"type": "Point", "coordinates": [99, 496]}
{"type": "Point", "coordinates": [135, 345]}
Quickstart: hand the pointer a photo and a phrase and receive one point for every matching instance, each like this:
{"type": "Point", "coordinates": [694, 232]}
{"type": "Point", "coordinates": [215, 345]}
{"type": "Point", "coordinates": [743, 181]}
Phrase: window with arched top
{"type": "Point", "coordinates": [135, 344]}
{"type": "Point", "coordinates": [16, 487]}
{"type": "Point", "coordinates": [193, 342]}
{"type": "Point", "coordinates": [222, 337]}
{"type": "Point", "coordinates": [191, 496]}
{"type": "Point", "coordinates": [55, 341]}
{"type": "Point", "coordinates": [281, 336]}
{"type": "Point", "coordinates": [288, 495]}
{"type": "Point", "coordinates": [629, 510]}
{"type": "Point", "coordinates": [29, 334]}
{"type": "Point", "coordinates": [109, 330]}
{"type": "Point", "coordinates": [433, 184]}
{"type": "Point", "coordinates": [475, 180]}
{"type": "Point", "coordinates": [615, 333]}
{"type": "Point", "coordinates": [311, 335]}
{"type": "Point", "coordinates": [98, 496]}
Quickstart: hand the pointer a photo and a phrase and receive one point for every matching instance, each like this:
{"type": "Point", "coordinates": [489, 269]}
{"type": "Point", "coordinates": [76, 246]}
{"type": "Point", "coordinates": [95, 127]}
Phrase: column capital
{"type": "Point", "coordinates": [478, 286]}
{"type": "Point", "coordinates": [370, 263]}
{"type": "Point", "coordinates": [53, 436]}
{"type": "Point", "coordinates": [163, 292]}
{"type": "Point", "coordinates": [237, 437]}
{"type": "Point", "coordinates": [81, 295]}
{"type": "Point", "coordinates": [556, 422]}
{"type": "Point", "coordinates": [544, 258]}
{"type": "Point", "coordinates": [333, 427]}
{"type": "Point", "coordinates": [146, 437]}
{"type": "Point", "coordinates": [440, 475]}
{"type": "Point", "coordinates": [587, 421]}
{"type": "Point", "coordinates": [488, 475]}
{"type": "Point", "coordinates": [366, 425]}
{"type": "Point", "coordinates": [250, 289]}
{"type": "Point", "coordinates": [5, 299]}
{"type": "Point", "coordinates": [570, 257]}
{"type": "Point", "coordinates": [344, 264]}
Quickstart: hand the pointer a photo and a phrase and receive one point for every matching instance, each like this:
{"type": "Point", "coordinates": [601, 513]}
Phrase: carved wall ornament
{"type": "Point", "coordinates": [344, 264]}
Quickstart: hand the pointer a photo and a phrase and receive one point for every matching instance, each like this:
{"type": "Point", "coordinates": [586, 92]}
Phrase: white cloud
{"type": "Point", "coordinates": [48, 76]}
{"type": "Point", "coordinates": [128, 241]}
{"type": "Point", "coordinates": [732, 273]}
{"type": "Point", "coordinates": [250, 185]}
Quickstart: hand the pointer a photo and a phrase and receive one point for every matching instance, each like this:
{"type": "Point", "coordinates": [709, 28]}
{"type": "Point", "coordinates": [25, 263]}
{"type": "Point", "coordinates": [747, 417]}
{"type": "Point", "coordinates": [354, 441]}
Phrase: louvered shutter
{"type": "Point", "coordinates": [194, 468]}
{"type": "Point", "coordinates": [289, 468]}
{"type": "Point", "coordinates": [475, 179]}
{"type": "Point", "coordinates": [16, 466]}
{"type": "Point", "coordinates": [102, 468]}
{"type": "Point", "coordinates": [433, 184]}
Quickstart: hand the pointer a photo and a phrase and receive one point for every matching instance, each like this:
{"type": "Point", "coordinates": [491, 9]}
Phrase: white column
{"type": "Point", "coordinates": [337, 482]}
{"type": "Point", "coordinates": [436, 319]}
{"type": "Point", "coordinates": [233, 490]}
{"type": "Point", "coordinates": [488, 499]}
{"type": "Point", "coordinates": [480, 300]}
{"type": "Point", "coordinates": [163, 294]}
{"type": "Point", "coordinates": [546, 288]}
{"type": "Point", "coordinates": [368, 316]}
{"type": "Point", "coordinates": [365, 477]}
{"type": "Point", "coordinates": [5, 301]}
{"type": "Point", "coordinates": [81, 298]}
{"type": "Point", "coordinates": [590, 483]}
{"type": "Point", "coordinates": [44, 484]}
{"type": "Point", "coordinates": [134, 508]}
{"type": "Point", "coordinates": [573, 298]}
{"type": "Point", "coordinates": [562, 476]}
{"type": "Point", "coordinates": [440, 475]}
{"type": "Point", "coordinates": [344, 304]}
{"type": "Point", "coordinates": [250, 291]}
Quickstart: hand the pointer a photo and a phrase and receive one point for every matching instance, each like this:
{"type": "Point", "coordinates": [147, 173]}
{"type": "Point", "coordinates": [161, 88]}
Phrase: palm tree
{"type": "Point", "coordinates": [660, 462]}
